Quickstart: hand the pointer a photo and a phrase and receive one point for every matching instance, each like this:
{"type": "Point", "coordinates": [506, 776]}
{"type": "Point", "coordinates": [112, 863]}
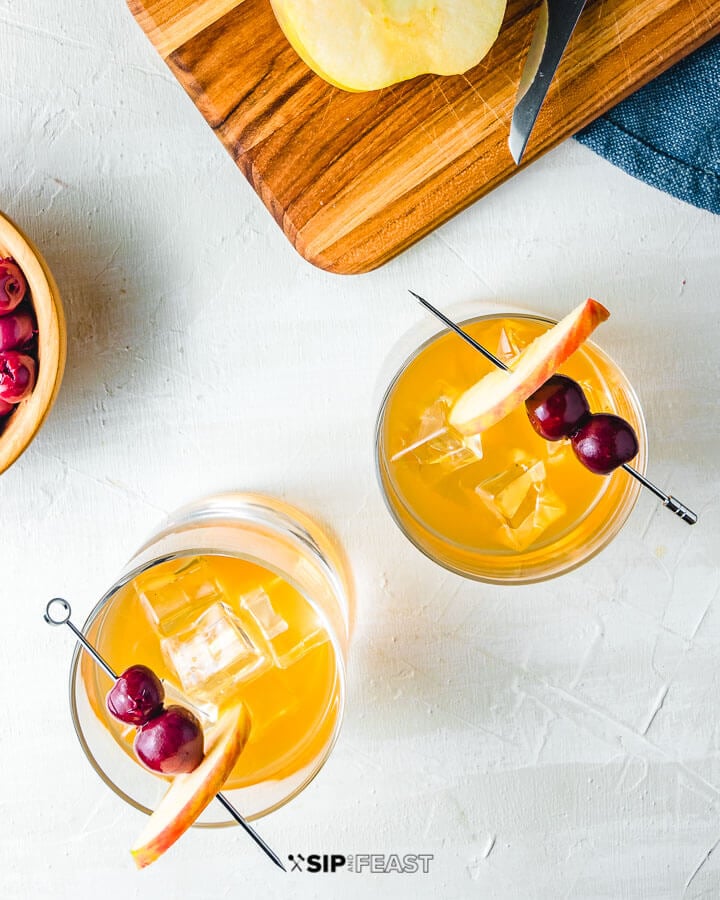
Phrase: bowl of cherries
{"type": "Point", "coordinates": [32, 341]}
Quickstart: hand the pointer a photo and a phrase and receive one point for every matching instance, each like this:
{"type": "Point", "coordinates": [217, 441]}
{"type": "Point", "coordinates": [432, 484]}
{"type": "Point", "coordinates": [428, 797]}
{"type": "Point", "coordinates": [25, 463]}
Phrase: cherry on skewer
{"type": "Point", "coordinates": [168, 741]}
{"type": "Point", "coordinates": [670, 502]}
{"type": "Point", "coordinates": [602, 442]}
{"type": "Point", "coordinates": [58, 612]}
{"type": "Point", "coordinates": [558, 408]}
{"type": "Point", "coordinates": [136, 697]}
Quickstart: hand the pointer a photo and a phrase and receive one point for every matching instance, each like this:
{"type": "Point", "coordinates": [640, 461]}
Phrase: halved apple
{"type": "Point", "coordinates": [189, 794]}
{"type": "Point", "coordinates": [363, 45]}
{"type": "Point", "coordinates": [497, 394]}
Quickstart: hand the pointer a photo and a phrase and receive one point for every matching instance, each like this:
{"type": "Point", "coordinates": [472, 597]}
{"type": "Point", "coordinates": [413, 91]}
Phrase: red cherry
{"type": "Point", "coordinates": [16, 329]}
{"type": "Point", "coordinates": [557, 408]}
{"type": "Point", "coordinates": [171, 743]}
{"type": "Point", "coordinates": [605, 442]}
{"type": "Point", "coordinates": [136, 697]}
{"type": "Point", "coordinates": [17, 376]}
{"type": "Point", "coordinates": [13, 285]}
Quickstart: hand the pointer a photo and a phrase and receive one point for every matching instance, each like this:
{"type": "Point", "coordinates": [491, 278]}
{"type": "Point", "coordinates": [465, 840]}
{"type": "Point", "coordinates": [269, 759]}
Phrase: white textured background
{"type": "Point", "coordinates": [559, 741]}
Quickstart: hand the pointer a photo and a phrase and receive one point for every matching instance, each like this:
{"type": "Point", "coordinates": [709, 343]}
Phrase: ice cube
{"type": "Point", "coordinates": [204, 708]}
{"type": "Point", "coordinates": [510, 345]}
{"type": "Point", "coordinates": [597, 394]}
{"type": "Point", "coordinates": [174, 598]}
{"type": "Point", "coordinates": [284, 643]}
{"type": "Point", "coordinates": [521, 502]}
{"type": "Point", "coordinates": [213, 655]}
{"type": "Point", "coordinates": [437, 444]}
{"type": "Point", "coordinates": [506, 493]}
{"type": "Point", "coordinates": [260, 607]}
{"type": "Point", "coordinates": [473, 442]}
{"type": "Point", "coordinates": [558, 451]}
{"type": "Point", "coordinates": [546, 507]}
{"type": "Point", "coordinates": [290, 648]}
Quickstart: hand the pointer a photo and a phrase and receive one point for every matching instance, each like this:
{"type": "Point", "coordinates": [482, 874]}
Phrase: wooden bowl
{"type": "Point", "coordinates": [24, 423]}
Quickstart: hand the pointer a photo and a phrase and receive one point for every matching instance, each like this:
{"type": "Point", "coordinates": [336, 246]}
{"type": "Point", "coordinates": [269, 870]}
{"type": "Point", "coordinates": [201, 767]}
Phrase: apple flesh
{"type": "Point", "coordinates": [364, 45]}
{"type": "Point", "coordinates": [190, 794]}
{"type": "Point", "coordinates": [497, 394]}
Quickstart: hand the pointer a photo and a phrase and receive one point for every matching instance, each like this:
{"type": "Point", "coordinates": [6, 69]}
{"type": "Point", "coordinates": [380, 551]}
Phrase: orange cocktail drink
{"type": "Point", "coordinates": [504, 505]}
{"type": "Point", "coordinates": [240, 600]}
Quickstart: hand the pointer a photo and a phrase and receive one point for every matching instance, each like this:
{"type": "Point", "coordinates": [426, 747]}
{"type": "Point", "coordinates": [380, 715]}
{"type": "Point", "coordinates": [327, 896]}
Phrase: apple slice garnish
{"type": "Point", "coordinates": [499, 392]}
{"type": "Point", "coordinates": [189, 794]}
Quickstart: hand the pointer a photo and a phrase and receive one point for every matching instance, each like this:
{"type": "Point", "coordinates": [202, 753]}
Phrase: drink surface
{"type": "Point", "coordinates": [507, 492]}
{"type": "Point", "coordinates": [219, 629]}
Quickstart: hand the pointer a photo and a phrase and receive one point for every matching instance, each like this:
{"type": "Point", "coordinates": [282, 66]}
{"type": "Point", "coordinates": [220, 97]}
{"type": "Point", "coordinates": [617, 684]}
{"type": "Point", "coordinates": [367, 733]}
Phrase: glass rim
{"type": "Point", "coordinates": [125, 578]}
{"type": "Point", "coordinates": [615, 523]}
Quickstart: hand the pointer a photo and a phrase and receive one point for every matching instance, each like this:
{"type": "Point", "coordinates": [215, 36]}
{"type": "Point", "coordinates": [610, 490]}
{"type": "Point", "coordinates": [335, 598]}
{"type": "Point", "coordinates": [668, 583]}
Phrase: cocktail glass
{"type": "Point", "coordinates": [236, 597]}
{"type": "Point", "coordinates": [504, 506]}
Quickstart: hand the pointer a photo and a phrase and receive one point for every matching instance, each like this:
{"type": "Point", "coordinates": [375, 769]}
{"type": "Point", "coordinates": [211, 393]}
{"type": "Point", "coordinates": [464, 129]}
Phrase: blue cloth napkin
{"type": "Point", "coordinates": [668, 133]}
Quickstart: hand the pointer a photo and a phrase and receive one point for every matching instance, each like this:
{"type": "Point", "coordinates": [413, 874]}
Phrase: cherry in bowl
{"type": "Point", "coordinates": [17, 376]}
{"type": "Point", "coordinates": [13, 285]}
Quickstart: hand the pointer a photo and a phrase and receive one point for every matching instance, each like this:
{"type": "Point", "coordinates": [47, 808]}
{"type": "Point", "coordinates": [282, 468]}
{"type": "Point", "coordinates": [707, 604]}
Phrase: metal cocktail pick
{"type": "Point", "coordinates": [674, 505]}
{"type": "Point", "coordinates": [63, 618]}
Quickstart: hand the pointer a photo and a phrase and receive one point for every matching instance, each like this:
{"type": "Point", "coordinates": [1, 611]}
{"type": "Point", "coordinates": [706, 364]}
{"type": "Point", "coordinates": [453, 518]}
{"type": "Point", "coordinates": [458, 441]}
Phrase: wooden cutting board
{"type": "Point", "coordinates": [353, 179]}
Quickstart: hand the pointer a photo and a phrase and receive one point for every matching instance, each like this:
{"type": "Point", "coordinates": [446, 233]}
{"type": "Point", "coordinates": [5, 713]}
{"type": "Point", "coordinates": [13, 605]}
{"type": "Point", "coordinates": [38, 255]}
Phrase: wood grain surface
{"type": "Point", "coordinates": [28, 417]}
{"type": "Point", "coordinates": [353, 179]}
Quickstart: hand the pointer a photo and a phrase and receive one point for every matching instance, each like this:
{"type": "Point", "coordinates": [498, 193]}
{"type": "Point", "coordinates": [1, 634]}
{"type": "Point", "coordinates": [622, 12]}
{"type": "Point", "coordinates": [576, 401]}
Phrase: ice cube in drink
{"type": "Point", "coordinates": [521, 502]}
{"type": "Point", "coordinates": [286, 644]}
{"type": "Point", "coordinates": [510, 344]}
{"type": "Point", "coordinates": [213, 655]}
{"type": "Point", "coordinates": [176, 596]}
{"type": "Point", "coordinates": [436, 448]}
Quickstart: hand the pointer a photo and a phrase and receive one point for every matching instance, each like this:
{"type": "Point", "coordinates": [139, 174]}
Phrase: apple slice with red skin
{"type": "Point", "coordinates": [498, 393]}
{"type": "Point", "coordinates": [189, 794]}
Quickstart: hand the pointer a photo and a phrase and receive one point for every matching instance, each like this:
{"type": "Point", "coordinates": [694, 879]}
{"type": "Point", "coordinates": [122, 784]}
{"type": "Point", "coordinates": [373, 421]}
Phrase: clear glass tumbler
{"type": "Point", "coordinates": [278, 588]}
{"type": "Point", "coordinates": [505, 506]}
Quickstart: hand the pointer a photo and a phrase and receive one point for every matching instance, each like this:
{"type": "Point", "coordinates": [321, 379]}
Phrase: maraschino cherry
{"type": "Point", "coordinates": [557, 408]}
{"type": "Point", "coordinates": [136, 697]}
{"type": "Point", "coordinates": [169, 741]}
{"type": "Point", "coordinates": [604, 442]}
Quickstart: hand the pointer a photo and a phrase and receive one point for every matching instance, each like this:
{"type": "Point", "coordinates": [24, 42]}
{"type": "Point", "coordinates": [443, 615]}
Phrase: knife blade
{"type": "Point", "coordinates": [556, 22]}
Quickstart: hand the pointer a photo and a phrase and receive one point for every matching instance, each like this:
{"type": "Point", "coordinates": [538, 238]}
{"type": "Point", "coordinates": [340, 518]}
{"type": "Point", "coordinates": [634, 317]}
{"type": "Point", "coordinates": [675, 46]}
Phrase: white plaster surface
{"type": "Point", "coordinates": [554, 741]}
